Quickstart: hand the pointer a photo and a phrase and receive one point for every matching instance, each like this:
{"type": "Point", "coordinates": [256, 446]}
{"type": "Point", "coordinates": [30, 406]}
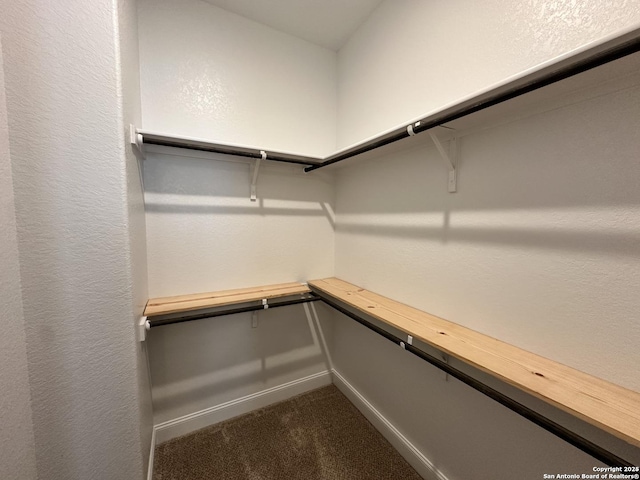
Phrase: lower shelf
{"type": "Point", "coordinates": [608, 406]}
{"type": "Point", "coordinates": [199, 301]}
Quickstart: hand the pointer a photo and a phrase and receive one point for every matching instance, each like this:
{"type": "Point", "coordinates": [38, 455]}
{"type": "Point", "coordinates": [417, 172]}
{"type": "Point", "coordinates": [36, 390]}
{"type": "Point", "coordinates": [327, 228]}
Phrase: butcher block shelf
{"type": "Point", "coordinates": [199, 301]}
{"type": "Point", "coordinates": [608, 406]}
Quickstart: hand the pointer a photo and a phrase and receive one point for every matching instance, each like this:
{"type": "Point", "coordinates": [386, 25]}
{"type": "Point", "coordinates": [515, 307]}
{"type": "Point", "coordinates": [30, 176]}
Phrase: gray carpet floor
{"type": "Point", "coordinates": [319, 435]}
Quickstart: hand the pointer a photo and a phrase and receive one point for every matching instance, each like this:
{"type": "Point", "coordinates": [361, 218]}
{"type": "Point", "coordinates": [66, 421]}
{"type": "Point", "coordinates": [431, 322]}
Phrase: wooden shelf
{"type": "Point", "coordinates": [198, 301]}
{"type": "Point", "coordinates": [608, 406]}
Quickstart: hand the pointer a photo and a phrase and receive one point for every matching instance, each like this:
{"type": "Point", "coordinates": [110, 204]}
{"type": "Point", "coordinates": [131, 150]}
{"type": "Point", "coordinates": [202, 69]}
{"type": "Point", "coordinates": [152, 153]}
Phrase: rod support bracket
{"type": "Point", "coordinates": [143, 327]}
{"type": "Point", "coordinates": [136, 141]}
{"type": "Point", "coordinates": [265, 303]}
{"type": "Point", "coordinates": [254, 174]}
{"type": "Point", "coordinates": [445, 358]}
{"type": "Point", "coordinates": [410, 128]}
{"type": "Point", "coordinates": [450, 158]}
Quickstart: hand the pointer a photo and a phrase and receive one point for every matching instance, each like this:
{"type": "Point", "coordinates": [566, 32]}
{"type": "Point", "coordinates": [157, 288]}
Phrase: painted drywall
{"type": "Point", "coordinates": [412, 57]}
{"type": "Point", "coordinates": [128, 68]}
{"type": "Point", "coordinates": [213, 74]}
{"type": "Point", "coordinates": [398, 231]}
{"type": "Point", "coordinates": [328, 23]}
{"type": "Point", "coordinates": [204, 234]}
{"type": "Point", "coordinates": [539, 247]}
{"type": "Point", "coordinates": [208, 73]}
{"type": "Point", "coordinates": [18, 459]}
{"type": "Point", "coordinates": [65, 89]}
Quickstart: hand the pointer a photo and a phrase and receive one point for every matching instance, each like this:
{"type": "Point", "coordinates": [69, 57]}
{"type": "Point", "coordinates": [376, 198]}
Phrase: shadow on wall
{"type": "Point", "coordinates": [611, 243]}
{"type": "Point", "coordinates": [216, 185]}
{"type": "Point", "coordinates": [564, 179]}
{"type": "Point", "coordinates": [233, 358]}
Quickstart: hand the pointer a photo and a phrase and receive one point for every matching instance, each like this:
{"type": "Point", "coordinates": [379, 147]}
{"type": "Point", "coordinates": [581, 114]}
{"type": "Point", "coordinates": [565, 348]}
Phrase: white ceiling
{"type": "Point", "coordinates": [324, 22]}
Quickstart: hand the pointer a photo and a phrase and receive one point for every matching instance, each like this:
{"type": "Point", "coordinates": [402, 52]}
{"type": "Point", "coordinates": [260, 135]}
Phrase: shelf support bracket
{"type": "Point", "coordinates": [451, 164]}
{"type": "Point", "coordinates": [254, 174]}
{"type": "Point", "coordinates": [143, 328]}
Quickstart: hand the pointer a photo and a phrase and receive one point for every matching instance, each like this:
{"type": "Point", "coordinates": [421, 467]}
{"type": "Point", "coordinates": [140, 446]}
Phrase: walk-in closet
{"type": "Point", "coordinates": [368, 239]}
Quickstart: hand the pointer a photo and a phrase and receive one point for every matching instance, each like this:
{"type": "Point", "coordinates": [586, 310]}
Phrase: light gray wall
{"type": "Point", "coordinates": [17, 457]}
{"type": "Point", "coordinates": [212, 74]}
{"type": "Point", "coordinates": [75, 211]}
{"type": "Point", "coordinates": [538, 248]}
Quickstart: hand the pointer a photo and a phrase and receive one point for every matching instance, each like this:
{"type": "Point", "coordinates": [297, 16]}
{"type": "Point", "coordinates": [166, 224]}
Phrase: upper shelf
{"type": "Point", "coordinates": [199, 301]}
{"type": "Point", "coordinates": [608, 406]}
{"type": "Point", "coordinates": [568, 65]}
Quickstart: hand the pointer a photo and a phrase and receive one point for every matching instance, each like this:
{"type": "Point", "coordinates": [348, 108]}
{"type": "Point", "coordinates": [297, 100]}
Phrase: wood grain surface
{"type": "Point", "coordinates": [606, 405]}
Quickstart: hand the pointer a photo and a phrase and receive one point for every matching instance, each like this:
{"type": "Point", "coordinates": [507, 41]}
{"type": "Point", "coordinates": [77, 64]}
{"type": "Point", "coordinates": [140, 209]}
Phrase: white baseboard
{"type": "Point", "coordinates": [411, 454]}
{"type": "Point", "coordinates": [210, 416]}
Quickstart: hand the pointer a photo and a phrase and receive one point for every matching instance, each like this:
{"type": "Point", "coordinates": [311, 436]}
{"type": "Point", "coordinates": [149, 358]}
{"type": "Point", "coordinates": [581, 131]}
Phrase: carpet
{"type": "Point", "coordinates": [318, 435]}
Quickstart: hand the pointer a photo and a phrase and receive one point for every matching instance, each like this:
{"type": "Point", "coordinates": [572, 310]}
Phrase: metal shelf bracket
{"type": "Point", "coordinates": [452, 185]}
{"type": "Point", "coordinates": [254, 174]}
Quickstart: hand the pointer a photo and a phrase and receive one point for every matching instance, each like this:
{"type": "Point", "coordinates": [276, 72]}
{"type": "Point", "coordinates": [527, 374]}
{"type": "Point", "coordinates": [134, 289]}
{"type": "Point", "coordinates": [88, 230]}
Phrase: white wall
{"type": "Point", "coordinates": [208, 73]}
{"type": "Point", "coordinates": [128, 66]}
{"type": "Point", "coordinates": [538, 248]}
{"type": "Point", "coordinates": [65, 90]}
{"type": "Point", "coordinates": [412, 56]}
{"type": "Point", "coordinates": [18, 459]}
{"type": "Point", "coordinates": [216, 75]}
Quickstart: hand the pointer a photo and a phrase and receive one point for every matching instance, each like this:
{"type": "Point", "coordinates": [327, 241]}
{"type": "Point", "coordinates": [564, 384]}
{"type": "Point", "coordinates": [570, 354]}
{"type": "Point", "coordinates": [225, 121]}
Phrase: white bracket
{"type": "Point", "coordinates": [445, 357]}
{"type": "Point", "coordinates": [143, 328]}
{"type": "Point", "coordinates": [409, 342]}
{"type": "Point", "coordinates": [451, 165]}
{"type": "Point", "coordinates": [135, 139]}
{"type": "Point", "coordinates": [265, 304]}
{"type": "Point", "coordinates": [410, 128]}
{"type": "Point", "coordinates": [254, 174]}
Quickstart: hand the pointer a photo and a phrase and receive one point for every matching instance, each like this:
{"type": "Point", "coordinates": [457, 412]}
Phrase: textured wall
{"type": "Point", "coordinates": [209, 73]}
{"type": "Point", "coordinates": [17, 457]}
{"type": "Point", "coordinates": [64, 90]}
{"type": "Point", "coordinates": [128, 66]}
{"type": "Point", "coordinates": [212, 74]}
{"type": "Point", "coordinates": [412, 56]}
{"type": "Point", "coordinates": [539, 248]}
{"type": "Point", "coordinates": [204, 234]}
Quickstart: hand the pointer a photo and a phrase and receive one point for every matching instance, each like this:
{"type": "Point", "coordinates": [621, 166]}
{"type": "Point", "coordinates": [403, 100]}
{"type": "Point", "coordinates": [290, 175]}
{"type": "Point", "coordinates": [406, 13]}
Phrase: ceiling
{"type": "Point", "coordinates": [328, 23]}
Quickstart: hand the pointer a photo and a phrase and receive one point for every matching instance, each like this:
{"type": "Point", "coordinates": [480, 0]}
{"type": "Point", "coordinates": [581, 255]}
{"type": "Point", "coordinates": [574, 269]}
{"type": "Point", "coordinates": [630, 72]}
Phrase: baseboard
{"type": "Point", "coordinates": [210, 416]}
{"type": "Point", "coordinates": [411, 454]}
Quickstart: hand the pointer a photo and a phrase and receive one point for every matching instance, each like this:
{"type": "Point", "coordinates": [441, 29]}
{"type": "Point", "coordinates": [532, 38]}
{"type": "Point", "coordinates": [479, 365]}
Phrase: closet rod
{"type": "Point", "coordinates": [159, 322]}
{"type": "Point", "coordinates": [549, 425]}
{"type": "Point", "coordinates": [151, 138]}
{"type": "Point", "coordinates": [515, 89]}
